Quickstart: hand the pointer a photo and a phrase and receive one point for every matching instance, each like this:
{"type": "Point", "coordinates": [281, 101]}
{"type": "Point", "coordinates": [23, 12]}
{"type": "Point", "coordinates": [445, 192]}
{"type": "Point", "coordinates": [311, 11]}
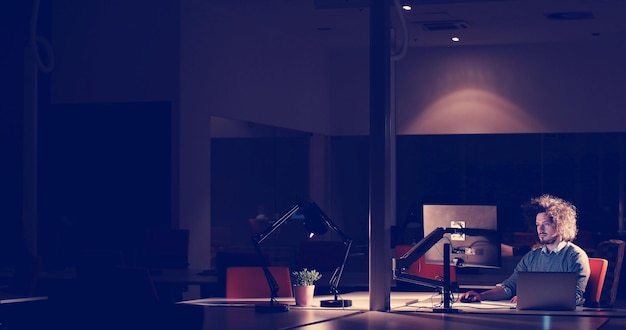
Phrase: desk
{"type": "Point", "coordinates": [9, 298]}
{"type": "Point", "coordinates": [393, 321]}
{"type": "Point", "coordinates": [360, 300]}
{"type": "Point", "coordinates": [221, 313]}
{"type": "Point", "coordinates": [244, 317]}
{"type": "Point", "coordinates": [17, 311]}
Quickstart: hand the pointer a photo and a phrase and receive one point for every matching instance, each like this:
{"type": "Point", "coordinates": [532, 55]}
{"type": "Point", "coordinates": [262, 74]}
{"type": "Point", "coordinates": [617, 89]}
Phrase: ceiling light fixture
{"type": "Point", "coordinates": [455, 39]}
{"type": "Point", "coordinates": [407, 7]}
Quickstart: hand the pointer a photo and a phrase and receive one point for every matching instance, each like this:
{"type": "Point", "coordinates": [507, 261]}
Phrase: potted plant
{"type": "Point", "coordinates": [304, 285]}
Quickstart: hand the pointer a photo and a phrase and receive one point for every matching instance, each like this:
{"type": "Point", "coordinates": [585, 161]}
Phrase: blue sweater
{"type": "Point", "coordinates": [567, 257]}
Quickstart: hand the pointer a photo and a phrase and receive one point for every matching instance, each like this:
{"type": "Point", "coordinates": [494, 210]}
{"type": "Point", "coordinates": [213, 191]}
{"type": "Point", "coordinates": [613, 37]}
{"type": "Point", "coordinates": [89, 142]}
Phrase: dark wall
{"type": "Point", "coordinates": [104, 176]}
{"type": "Point", "coordinates": [500, 169]}
{"type": "Point", "coordinates": [507, 170]}
{"type": "Point", "coordinates": [14, 34]}
{"type": "Point", "coordinates": [350, 186]}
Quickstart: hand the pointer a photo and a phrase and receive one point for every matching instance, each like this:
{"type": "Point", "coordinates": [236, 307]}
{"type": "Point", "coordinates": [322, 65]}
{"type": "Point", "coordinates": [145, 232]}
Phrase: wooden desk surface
{"type": "Point", "coordinates": [360, 300]}
{"type": "Point", "coordinates": [11, 298]}
{"type": "Point", "coordinates": [393, 321]}
{"type": "Point", "coordinates": [245, 317]}
{"type": "Point", "coordinates": [221, 313]}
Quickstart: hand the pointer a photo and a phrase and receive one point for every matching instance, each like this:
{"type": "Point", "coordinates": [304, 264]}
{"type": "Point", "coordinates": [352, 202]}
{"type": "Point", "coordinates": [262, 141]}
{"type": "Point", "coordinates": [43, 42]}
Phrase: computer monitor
{"type": "Point", "coordinates": [479, 248]}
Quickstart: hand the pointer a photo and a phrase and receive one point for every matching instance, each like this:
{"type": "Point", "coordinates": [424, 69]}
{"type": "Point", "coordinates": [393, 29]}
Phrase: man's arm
{"type": "Point", "coordinates": [497, 293]}
{"type": "Point", "coordinates": [581, 265]}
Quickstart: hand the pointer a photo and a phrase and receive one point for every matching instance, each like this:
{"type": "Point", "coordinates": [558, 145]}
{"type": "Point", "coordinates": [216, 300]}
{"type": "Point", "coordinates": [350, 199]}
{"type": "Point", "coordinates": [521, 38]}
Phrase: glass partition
{"type": "Point", "coordinates": [257, 173]}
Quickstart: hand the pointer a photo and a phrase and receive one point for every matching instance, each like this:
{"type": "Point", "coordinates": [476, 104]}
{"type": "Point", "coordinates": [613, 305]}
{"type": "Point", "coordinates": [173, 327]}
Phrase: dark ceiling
{"type": "Point", "coordinates": [345, 23]}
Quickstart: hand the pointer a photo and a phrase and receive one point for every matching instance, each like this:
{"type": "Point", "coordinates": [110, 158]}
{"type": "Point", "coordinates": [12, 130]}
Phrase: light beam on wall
{"type": "Point", "coordinates": [471, 111]}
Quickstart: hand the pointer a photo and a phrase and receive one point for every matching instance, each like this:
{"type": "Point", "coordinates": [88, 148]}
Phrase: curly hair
{"type": "Point", "coordinates": [562, 212]}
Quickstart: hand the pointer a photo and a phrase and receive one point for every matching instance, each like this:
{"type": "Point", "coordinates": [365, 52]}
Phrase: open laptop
{"type": "Point", "coordinates": [546, 291]}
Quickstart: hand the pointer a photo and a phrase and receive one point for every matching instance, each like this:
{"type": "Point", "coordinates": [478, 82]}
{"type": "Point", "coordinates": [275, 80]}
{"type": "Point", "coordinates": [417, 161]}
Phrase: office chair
{"type": "Point", "coordinates": [250, 282]}
{"type": "Point", "coordinates": [613, 251]}
{"type": "Point", "coordinates": [593, 292]}
{"type": "Point", "coordinates": [225, 260]}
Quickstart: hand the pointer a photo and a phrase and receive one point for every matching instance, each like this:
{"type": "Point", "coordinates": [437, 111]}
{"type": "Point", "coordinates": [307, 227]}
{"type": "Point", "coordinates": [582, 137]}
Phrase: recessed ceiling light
{"type": "Point", "coordinates": [407, 7]}
{"type": "Point", "coordinates": [455, 39]}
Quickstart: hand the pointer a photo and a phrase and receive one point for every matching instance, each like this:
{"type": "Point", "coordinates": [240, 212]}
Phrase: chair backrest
{"type": "Point", "coordinates": [613, 251]}
{"type": "Point", "coordinates": [226, 259]}
{"type": "Point", "coordinates": [421, 268]}
{"type": "Point", "coordinates": [593, 292]}
{"type": "Point", "coordinates": [250, 282]}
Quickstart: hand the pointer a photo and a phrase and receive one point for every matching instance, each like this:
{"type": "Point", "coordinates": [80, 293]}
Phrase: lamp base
{"type": "Point", "coordinates": [336, 303]}
{"type": "Point", "coordinates": [446, 310]}
{"type": "Point", "coordinates": [271, 308]}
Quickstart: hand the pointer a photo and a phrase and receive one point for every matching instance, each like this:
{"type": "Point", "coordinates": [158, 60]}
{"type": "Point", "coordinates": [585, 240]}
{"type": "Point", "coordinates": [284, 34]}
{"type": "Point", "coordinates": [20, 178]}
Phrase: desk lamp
{"type": "Point", "coordinates": [316, 222]}
{"type": "Point", "coordinates": [400, 265]}
{"type": "Point", "coordinates": [316, 218]}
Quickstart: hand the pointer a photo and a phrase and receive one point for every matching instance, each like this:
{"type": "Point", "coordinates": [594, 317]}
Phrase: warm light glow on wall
{"type": "Point", "coordinates": [471, 111]}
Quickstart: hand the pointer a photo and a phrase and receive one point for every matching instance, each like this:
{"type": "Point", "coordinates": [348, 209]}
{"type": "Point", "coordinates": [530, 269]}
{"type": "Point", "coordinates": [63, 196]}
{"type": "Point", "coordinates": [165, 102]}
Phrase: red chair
{"type": "Point", "coordinates": [613, 251]}
{"type": "Point", "coordinates": [593, 292]}
{"type": "Point", "coordinates": [250, 282]}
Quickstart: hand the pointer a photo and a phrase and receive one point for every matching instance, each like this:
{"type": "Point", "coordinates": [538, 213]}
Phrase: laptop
{"type": "Point", "coordinates": [553, 291]}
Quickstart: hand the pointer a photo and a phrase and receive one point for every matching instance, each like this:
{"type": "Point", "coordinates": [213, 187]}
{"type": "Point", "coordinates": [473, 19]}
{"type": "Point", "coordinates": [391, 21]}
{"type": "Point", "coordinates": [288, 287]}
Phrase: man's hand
{"type": "Point", "coordinates": [470, 296]}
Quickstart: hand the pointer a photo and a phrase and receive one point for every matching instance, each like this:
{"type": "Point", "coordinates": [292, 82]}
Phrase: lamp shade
{"type": "Point", "coordinates": [313, 218]}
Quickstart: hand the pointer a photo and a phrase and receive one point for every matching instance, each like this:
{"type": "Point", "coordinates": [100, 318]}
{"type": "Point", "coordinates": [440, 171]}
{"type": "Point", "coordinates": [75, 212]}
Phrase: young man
{"type": "Point", "coordinates": [556, 228]}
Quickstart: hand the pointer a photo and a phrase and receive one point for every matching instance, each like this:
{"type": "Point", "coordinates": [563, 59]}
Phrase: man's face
{"type": "Point", "coordinates": [546, 229]}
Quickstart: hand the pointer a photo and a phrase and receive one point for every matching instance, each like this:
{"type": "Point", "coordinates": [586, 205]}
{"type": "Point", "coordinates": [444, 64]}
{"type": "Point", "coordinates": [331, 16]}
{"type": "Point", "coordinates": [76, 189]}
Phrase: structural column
{"type": "Point", "coordinates": [379, 178]}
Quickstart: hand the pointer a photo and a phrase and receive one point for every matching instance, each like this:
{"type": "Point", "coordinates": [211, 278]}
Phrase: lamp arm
{"type": "Point", "coordinates": [418, 250]}
{"type": "Point", "coordinates": [271, 281]}
{"type": "Point", "coordinates": [256, 241]}
{"type": "Point", "coordinates": [262, 236]}
{"type": "Point", "coordinates": [399, 265]}
{"type": "Point", "coordinates": [334, 280]}
{"type": "Point", "coordinates": [347, 241]}
{"type": "Point", "coordinates": [410, 278]}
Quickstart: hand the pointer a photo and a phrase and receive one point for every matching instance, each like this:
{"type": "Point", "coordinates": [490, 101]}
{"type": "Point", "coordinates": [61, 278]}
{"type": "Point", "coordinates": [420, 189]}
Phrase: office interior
{"type": "Point", "coordinates": [215, 117]}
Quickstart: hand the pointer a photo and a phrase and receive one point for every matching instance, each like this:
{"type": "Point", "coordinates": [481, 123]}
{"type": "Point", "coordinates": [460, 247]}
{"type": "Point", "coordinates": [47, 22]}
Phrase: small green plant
{"type": "Point", "coordinates": [305, 277]}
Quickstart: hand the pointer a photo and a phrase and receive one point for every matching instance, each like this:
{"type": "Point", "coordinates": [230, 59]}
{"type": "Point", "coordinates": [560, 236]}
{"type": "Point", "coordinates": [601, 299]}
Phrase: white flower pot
{"type": "Point", "coordinates": [303, 294]}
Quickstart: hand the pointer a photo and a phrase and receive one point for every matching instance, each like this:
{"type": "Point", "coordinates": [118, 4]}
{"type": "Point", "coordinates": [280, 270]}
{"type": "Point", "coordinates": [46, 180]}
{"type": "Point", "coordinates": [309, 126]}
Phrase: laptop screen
{"type": "Point", "coordinates": [546, 290]}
